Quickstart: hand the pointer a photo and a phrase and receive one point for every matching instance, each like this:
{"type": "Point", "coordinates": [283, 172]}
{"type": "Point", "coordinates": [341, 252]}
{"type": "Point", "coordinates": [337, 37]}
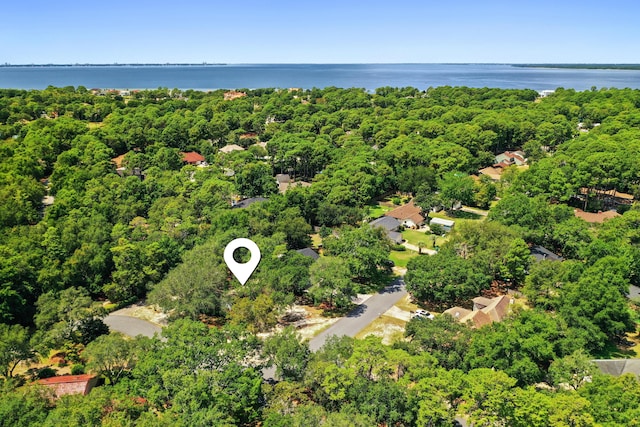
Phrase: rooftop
{"type": "Point", "coordinates": [248, 202]}
{"type": "Point", "coordinates": [308, 252]}
{"type": "Point", "coordinates": [231, 147]}
{"type": "Point", "coordinates": [70, 384]}
{"type": "Point", "coordinates": [408, 211]}
{"type": "Point", "coordinates": [192, 157]}
{"type": "Point", "coordinates": [386, 222]}
{"type": "Point", "coordinates": [595, 218]}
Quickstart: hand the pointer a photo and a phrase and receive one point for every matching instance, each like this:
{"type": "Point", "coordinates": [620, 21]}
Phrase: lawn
{"type": "Point", "coordinates": [401, 258]}
{"type": "Point", "coordinates": [414, 237]}
{"type": "Point", "coordinates": [459, 217]}
{"type": "Point", "coordinates": [377, 210]}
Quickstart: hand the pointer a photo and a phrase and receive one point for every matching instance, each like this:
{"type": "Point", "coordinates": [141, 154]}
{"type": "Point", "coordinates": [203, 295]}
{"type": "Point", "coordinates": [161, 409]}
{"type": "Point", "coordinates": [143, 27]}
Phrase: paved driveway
{"type": "Point", "coordinates": [362, 315]}
{"type": "Point", "coordinates": [131, 326]}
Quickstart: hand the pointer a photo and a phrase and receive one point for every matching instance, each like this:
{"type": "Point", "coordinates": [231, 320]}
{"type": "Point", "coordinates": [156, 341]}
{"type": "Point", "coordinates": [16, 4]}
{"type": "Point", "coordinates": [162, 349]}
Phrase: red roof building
{"type": "Point", "coordinates": [193, 158]}
{"type": "Point", "coordinates": [70, 384]}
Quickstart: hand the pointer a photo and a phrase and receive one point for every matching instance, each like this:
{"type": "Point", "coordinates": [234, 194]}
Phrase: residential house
{"type": "Point", "coordinates": [309, 252]}
{"type": "Point", "coordinates": [610, 198]}
{"type": "Point", "coordinates": [409, 215]}
{"type": "Point", "coordinates": [230, 148]}
{"type": "Point", "coordinates": [510, 158]}
{"type": "Point", "coordinates": [494, 173]}
{"type": "Point", "coordinates": [546, 92]}
{"type": "Point", "coordinates": [285, 182]}
{"type": "Point", "coordinates": [485, 311]}
{"type": "Point", "coordinates": [618, 367]}
{"type": "Point", "coordinates": [390, 225]}
{"type": "Point", "coordinates": [70, 384]}
{"type": "Point", "coordinates": [446, 224]}
{"type": "Point", "coordinates": [247, 202]}
{"type": "Point", "coordinates": [194, 158]}
{"type": "Point", "coordinates": [595, 218]}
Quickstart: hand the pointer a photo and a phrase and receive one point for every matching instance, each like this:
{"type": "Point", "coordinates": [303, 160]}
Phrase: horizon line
{"type": "Point", "coordinates": [206, 63]}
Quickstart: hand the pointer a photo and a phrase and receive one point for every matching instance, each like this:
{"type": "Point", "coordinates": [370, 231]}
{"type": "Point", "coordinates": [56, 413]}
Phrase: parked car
{"type": "Point", "coordinates": [424, 314]}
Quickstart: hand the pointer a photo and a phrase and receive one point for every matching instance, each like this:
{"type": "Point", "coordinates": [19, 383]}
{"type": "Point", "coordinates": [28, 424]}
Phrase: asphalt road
{"type": "Point", "coordinates": [131, 326]}
{"type": "Point", "coordinates": [362, 315]}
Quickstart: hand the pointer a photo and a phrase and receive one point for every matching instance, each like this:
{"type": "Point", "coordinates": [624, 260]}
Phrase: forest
{"type": "Point", "coordinates": [100, 208]}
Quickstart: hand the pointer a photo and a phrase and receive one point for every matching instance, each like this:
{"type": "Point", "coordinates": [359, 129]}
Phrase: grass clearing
{"type": "Point", "coordinates": [407, 304]}
{"type": "Point", "coordinates": [377, 210]}
{"type": "Point", "coordinates": [316, 240]}
{"type": "Point", "coordinates": [414, 237]}
{"type": "Point", "coordinates": [401, 258]}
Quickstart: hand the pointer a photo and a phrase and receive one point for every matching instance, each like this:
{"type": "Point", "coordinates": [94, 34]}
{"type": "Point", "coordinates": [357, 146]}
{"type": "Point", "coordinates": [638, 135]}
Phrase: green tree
{"type": "Point", "coordinates": [256, 179]}
{"type": "Point", "coordinates": [288, 354]}
{"type": "Point", "coordinates": [444, 279]}
{"type": "Point", "coordinates": [24, 407]}
{"type": "Point", "coordinates": [456, 187]}
{"type": "Point", "coordinates": [365, 249]}
{"type": "Point", "coordinates": [331, 282]}
{"type": "Point", "coordinates": [112, 355]}
{"type": "Point", "coordinates": [486, 396]}
{"type": "Point", "coordinates": [68, 316]}
{"type": "Point", "coordinates": [195, 287]}
{"type": "Point", "coordinates": [14, 348]}
{"type": "Point", "coordinates": [573, 370]}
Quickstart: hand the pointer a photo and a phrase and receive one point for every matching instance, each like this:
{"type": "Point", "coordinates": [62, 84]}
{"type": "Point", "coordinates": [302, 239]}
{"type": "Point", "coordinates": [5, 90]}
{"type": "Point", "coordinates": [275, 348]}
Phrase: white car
{"type": "Point", "coordinates": [424, 313]}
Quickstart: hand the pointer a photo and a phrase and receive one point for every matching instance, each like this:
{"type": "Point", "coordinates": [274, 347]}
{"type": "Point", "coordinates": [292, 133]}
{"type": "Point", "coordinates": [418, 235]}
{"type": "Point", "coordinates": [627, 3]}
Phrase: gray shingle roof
{"type": "Point", "coordinates": [386, 222]}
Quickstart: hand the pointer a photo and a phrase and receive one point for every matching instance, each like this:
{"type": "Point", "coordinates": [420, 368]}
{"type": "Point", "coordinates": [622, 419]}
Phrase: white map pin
{"type": "Point", "coordinates": [242, 271]}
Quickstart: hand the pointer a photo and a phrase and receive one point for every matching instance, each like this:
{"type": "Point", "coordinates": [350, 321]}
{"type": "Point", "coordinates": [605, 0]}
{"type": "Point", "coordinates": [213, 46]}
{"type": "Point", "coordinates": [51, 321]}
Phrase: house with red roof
{"type": "Point", "coordinates": [509, 158]}
{"type": "Point", "coordinates": [70, 384]}
{"type": "Point", "coordinates": [194, 158]}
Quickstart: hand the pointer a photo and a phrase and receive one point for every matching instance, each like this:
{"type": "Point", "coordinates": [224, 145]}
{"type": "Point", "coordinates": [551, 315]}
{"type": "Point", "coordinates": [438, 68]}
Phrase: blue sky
{"type": "Point", "coordinates": [326, 31]}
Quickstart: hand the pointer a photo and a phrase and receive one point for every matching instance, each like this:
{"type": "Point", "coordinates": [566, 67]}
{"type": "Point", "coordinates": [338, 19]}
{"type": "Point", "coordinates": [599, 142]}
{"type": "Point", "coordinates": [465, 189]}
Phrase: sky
{"type": "Point", "coordinates": [325, 31]}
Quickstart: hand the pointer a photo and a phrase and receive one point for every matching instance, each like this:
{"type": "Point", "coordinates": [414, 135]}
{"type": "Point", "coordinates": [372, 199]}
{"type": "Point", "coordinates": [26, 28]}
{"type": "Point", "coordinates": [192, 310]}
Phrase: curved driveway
{"type": "Point", "coordinates": [131, 326]}
{"type": "Point", "coordinates": [361, 316]}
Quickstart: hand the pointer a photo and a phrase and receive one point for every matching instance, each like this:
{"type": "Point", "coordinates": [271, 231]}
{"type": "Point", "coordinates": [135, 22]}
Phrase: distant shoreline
{"type": "Point", "coordinates": [177, 64]}
{"type": "Point", "coordinates": [582, 66]}
{"type": "Point", "coordinates": [206, 64]}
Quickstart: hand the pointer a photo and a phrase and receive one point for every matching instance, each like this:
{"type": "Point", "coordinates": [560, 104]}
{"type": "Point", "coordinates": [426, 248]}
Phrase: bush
{"type": "Point", "coordinates": [77, 369]}
{"type": "Point", "coordinates": [396, 200]}
{"type": "Point", "coordinates": [46, 372]}
{"type": "Point", "coordinates": [399, 248]}
{"type": "Point", "coordinates": [436, 229]}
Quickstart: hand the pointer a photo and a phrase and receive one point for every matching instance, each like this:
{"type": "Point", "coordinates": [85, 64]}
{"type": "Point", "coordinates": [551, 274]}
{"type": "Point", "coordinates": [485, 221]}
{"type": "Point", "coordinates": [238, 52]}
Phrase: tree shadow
{"type": "Point", "coordinates": [358, 311]}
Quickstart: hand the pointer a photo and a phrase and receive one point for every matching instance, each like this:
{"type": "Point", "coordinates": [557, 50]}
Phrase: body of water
{"type": "Point", "coordinates": [306, 76]}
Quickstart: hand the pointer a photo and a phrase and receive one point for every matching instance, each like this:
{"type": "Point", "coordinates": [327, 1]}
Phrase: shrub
{"type": "Point", "coordinates": [77, 369]}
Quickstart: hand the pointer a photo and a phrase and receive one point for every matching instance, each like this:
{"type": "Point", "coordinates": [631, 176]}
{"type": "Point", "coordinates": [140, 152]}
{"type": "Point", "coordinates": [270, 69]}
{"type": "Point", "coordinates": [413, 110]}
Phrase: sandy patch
{"type": "Point", "coordinates": [144, 312]}
{"type": "Point", "coordinates": [389, 328]}
{"type": "Point", "coordinates": [398, 313]}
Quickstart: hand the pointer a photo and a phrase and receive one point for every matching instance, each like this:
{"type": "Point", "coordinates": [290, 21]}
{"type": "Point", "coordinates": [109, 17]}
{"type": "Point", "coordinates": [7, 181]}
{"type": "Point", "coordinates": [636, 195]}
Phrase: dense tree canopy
{"type": "Point", "coordinates": [98, 203]}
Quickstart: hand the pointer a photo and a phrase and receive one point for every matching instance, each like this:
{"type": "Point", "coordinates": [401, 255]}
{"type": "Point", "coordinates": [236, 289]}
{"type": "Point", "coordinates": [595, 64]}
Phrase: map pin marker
{"type": "Point", "coordinates": [242, 271]}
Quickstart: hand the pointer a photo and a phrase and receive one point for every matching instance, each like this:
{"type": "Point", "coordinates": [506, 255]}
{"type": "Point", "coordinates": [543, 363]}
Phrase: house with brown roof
{"type": "Point", "coordinates": [494, 173]}
{"type": "Point", "coordinates": [485, 311]}
{"type": "Point", "coordinates": [70, 384]}
{"type": "Point", "coordinates": [285, 182]}
{"type": "Point", "coordinates": [409, 215]}
{"type": "Point", "coordinates": [194, 158]}
{"type": "Point", "coordinates": [230, 148]}
{"type": "Point", "coordinates": [595, 218]}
